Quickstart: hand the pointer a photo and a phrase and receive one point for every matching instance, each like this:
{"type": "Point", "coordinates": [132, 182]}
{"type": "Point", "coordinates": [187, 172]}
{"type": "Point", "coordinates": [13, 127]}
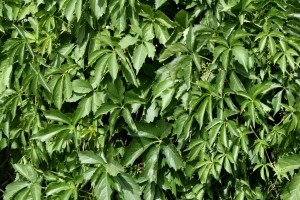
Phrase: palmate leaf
{"type": "Point", "coordinates": [108, 99]}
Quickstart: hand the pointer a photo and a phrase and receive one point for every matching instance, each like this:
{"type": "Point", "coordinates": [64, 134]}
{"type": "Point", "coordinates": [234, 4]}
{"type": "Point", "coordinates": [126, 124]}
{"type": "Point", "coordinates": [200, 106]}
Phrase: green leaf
{"type": "Point", "coordinates": [289, 163]}
{"type": "Point", "coordinates": [282, 63]}
{"type": "Point", "coordinates": [292, 189]}
{"type": "Point", "coordinates": [200, 112]}
{"type": "Point", "coordinates": [36, 191]}
{"type": "Point", "coordinates": [81, 86]}
{"type": "Point", "coordinates": [56, 115]}
{"type": "Point", "coordinates": [162, 86]}
{"type": "Point", "coordinates": [56, 187]}
{"type": "Point", "coordinates": [276, 102]}
{"type": "Point", "coordinates": [166, 98]}
{"type": "Point", "coordinates": [252, 112]}
{"type": "Point", "coordinates": [235, 83]}
{"type": "Point", "coordinates": [89, 157]}
{"type": "Point", "coordinates": [151, 164]}
{"type": "Point", "coordinates": [93, 57]}
{"type": "Point", "coordinates": [58, 93]}
{"type": "Point", "coordinates": [173, 157]}
{"type": "Point", "coordinates": [150, 49]}
{"type": "Point", "coordinates": [241, 55]}
{"type": "Point", "coordinates": [159, 3]}
{"type": "Point", "coordinates": [113, 168]}
{"type": "Point", "coordinates": [161, 33]}
{"type": "Point", "coordinates": [113, 66]}
{"type": "Point", "coordinates": [171, 50]}
{"type": "Point", "coordinates": [127, 41]}
{"type": "Point", "coordinates": [26, 171]}
{"type": "Point", "coordinates": [78, 9]}
{"type": "Point", "coordinates": [100, 70]}
{"type": "Point", "coordinates": [139, 57]}
{"type": "Point", "coordinates": [98, 7]}
{"type": "Point", "coordinates": [67, 87]}
{"type": "Point", "coordinates": [13, 188]}
{"type": "Point", "coordinates": [272, 46]}
{"type": "Point", "coordinates": [129, 188]}
{"type": "Point", "coordinates": [102, 190]}
{"type": "Point", "coordinates": [105, 108]}
{"type": "Point", "coordinates": [136, 147]}
{"type": "Point", "coordinates": [262, 43]}
{"type": "Point", "coordinates": [43, 82]}
{"type": "Point", "coordinates": [50, 131]}
{"type": "Point", "coordinates": [128, 119]}
{"type": "Point", "coordinates": [69, 10]}
{"type": "Point", "coordinates": [83, 109]}
{"type": "Point", "coordinates": [218, 51]}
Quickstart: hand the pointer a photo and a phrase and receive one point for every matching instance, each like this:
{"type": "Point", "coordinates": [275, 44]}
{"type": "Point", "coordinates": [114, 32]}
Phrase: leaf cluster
{"type": "Point", "coordinates": [150, 99]}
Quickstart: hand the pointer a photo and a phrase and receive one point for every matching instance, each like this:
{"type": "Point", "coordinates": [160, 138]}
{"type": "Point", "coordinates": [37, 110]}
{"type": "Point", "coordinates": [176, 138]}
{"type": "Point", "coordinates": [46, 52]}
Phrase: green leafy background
{"type": "Point", "coordinates": [149, 99]}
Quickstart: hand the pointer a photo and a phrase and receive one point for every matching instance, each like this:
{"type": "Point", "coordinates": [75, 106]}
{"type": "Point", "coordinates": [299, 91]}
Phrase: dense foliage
{"type": "Point", "coordinates": [149, 99]}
